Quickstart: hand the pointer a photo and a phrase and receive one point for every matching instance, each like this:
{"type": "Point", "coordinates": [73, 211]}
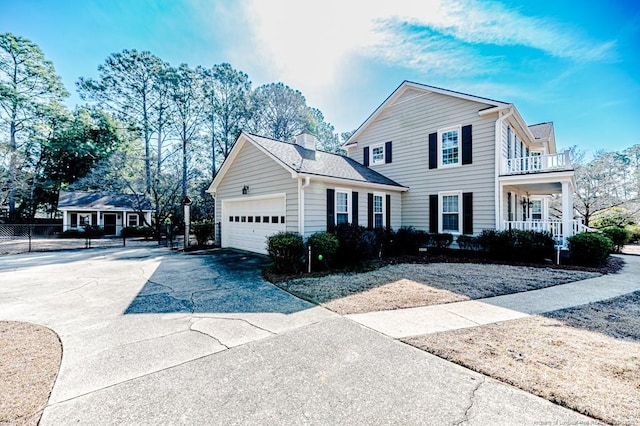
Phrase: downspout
{"type": "Point", "coordinates": [498, 163]}
{"type": "Point", "coordinates": [307, 181]}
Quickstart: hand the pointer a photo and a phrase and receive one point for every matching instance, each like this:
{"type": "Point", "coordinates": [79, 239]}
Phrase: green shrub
{"type": "Point", "coordinates": [137, 231]}
{"type": "Point", "coordinates": [514, 244]}
{"type": "Point", "coordinates": [203, 231]}
{"type": "Point", "coordinates": [355, 244]}
{"type": "Point", "coordinates": [407, 241]}
{"type": "Point", "coordinates": [589, 248]}
{"type": "Point", "coordinates": [72, 233]}
{"type": "Point", "coordinates": [440, 241]}
{"type": "Point", "coordinates": [286, 249]}
{"type": "Point", "coordinates": [618, 236]}
{"type": "Point", "coordinates": [468, 242]}
{"type": "Point", "coordinates": [634, 233]}
{"type": "Point", "coordinates": [324, 244]}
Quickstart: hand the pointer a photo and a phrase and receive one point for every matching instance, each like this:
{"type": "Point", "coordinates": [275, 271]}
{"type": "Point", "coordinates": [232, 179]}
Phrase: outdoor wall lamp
{"type": "Point", "coordinates": [245, 190]}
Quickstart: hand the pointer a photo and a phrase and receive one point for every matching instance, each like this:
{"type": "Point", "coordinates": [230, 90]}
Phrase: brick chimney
{"type": "Point", "coordinates": [306, 140]}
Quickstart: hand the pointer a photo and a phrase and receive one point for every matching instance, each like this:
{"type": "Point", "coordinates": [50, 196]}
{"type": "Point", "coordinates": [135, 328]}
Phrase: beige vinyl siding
{"type": "Point", "coordinates": [408, 123]}
{"type": "Point", "coordinates": [264, 176]}
{"type": "Point", "coordinates": [316, 205]}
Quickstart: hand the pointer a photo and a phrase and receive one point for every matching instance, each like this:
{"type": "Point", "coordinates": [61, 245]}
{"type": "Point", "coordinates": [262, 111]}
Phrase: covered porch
{"type": "Point", "coordinates": [540, 202]}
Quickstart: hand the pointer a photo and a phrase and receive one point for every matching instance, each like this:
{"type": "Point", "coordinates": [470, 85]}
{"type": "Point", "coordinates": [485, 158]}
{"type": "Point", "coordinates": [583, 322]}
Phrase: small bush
{"type": "Point", "coordinates": [286, 249]}
{"type": "Point", "coordinates": [440, 241]}
{"type": "Point", "coordinates": [137, 231]}
{"type": "Point", "coordinates": [514, 244]}
{"type": "Point", "coordinates": [589, 248]}
{"type": "Point", "coordinates": [634, 233]}
{"type": "Point", "coordinates": [408, 240]}
{"type": "Point", "coordinates": [355, 244]}
{"type": "Point", "coordinates": [203, 231]}
{"type": "Point", "coordinates": [618, 236]}
{"type": "Point", "coordinates": [488, 240]}
{"type": "Point", "coordinates": [325, 244]}
{"type": "Point", "coordinates": [468, 242]}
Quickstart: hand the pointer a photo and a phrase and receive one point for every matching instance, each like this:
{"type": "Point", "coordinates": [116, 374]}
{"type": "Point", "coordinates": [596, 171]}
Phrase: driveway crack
{"type": "Point", "coordinates": [472, 401]}
{"type": "Point", "coordinates": [208, 335]}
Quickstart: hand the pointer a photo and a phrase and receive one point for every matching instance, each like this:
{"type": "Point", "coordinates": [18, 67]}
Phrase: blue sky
{"type": "Point", "coordinates": [576, 66]}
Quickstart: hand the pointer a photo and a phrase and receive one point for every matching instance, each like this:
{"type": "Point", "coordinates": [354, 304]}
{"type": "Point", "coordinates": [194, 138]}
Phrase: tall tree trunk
{"type": "Point", "coordinates": [13, 161]}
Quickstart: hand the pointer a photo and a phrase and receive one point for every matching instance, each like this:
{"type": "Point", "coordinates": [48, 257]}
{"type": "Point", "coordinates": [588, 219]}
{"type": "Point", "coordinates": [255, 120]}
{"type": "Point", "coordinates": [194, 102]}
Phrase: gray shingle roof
{"type": "Point", "coordinates": [320, 163]}
{"type": "Point", "coordinates": [541, 130]}
{"type": "Point", "coordinates": [101, 201]}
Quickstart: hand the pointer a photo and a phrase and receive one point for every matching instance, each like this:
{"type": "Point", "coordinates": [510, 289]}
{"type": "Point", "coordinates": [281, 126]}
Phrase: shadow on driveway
{"type": "Point", "coordinates": [222, 281]}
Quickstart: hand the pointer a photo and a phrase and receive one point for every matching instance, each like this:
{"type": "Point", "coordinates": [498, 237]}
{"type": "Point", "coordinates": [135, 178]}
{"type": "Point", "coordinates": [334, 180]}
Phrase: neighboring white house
{"type": "Point", "coordinates": [434, 159]}
{"type": "Point", "coordinates": [112, 212]}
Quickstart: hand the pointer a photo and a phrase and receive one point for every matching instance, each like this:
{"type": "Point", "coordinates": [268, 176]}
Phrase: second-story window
{"type": "Point", "coordinates": [449, 140]}
{"type": "Point", "coordinates": [377, 154]}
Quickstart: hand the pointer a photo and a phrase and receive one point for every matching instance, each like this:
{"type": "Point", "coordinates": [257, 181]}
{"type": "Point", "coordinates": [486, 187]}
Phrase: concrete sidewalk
{"type": "Point", "coordinates": [402, 323]}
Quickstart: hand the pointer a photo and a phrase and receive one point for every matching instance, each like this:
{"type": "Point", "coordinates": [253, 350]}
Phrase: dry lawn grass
{"type": "Point", "coordinates": [30, 357]}
{"type": "Point", "coordinates": [586, 358]}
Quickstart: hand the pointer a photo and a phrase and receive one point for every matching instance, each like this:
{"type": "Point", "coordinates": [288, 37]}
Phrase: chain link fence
{"type": "Point", "coordinates": [23, 238]}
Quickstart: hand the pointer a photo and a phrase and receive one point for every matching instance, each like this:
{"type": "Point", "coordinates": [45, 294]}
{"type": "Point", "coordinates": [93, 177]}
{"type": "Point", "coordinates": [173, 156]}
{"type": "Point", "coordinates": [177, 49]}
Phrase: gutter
{"type": "Point", "coordinates": [498, 153]}
{"type": "Point", "coordinates": [301, 187]}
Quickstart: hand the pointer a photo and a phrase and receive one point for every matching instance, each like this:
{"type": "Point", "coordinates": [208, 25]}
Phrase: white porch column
{"type": "Point", "coordinates": [65, 220]}
{"type": "Point", "coordinates": [567, 211]}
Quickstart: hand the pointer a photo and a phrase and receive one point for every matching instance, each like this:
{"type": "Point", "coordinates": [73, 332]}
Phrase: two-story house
{"type": "Point", "coordinates": [434, 159]}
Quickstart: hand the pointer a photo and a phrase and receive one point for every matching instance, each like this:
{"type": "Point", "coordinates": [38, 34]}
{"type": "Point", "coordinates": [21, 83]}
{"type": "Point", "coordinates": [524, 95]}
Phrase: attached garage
{"type": "Point", "coordinates": [248, 222]}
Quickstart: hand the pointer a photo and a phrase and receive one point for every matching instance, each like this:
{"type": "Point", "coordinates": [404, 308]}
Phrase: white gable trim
{"type": "Point", "coordinates": [404, 86]}
{"type": "Point", "coordinates": [237, 147]}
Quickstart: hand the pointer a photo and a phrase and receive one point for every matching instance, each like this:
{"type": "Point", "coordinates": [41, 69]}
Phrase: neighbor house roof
{"type": "Point", "coordinates": [541, 130]}
{"type": "Point", "coordinates": [68, 200]}
{"type": "Point", "coordinates": [301, 161]}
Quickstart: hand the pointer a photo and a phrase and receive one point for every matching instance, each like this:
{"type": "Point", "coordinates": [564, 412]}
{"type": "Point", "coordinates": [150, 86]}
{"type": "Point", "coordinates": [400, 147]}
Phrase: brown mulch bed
{"type": "Point", "coordinates": [30, 358]}
{"type": "Point", "coordinates": [586, 358]}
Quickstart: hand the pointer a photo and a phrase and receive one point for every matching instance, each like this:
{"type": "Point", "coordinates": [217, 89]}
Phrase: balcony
{"type": "Point", "coordinates": [538, 164]}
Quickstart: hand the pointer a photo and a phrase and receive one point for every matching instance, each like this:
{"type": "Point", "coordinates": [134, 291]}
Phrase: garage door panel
{"type": "Point", "coordinates": [248, 223]}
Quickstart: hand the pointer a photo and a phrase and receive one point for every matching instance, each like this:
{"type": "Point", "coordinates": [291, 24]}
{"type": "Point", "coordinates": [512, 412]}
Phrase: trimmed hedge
{"type": "Point", "coordinates": [137, 231]}
{"type": "Point", "coordinates": [203, 231]}
{"type": "Point", "coordinates": [286, 249]}
{"type": "Point", "coordinates": [618, 236]}
{"type": "Point", "coordinates": [355, 244]}
{"type": "Point", "coordinates": [322, 244]}
{"type": "Point", "coordinates": [589, 248]}
{"type": "Point", "coordinates": [514, 244]}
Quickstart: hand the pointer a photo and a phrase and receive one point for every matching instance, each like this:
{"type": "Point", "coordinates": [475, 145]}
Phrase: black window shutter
{"type": "Point", "coordinates": [466, 145]}
{"type": "Point", "coordinates": [354, 207]}
{"type": "Point", "coordinates": [370, 210]}
{"type": "Point", "coordinates": [365, 156]}
{"type": "Point", "coordinates": [433, 213]}
{"type": "Point", "coordinates": [387, 152]}
{"type": "Point", "coordinates": [467, 213]}
{"type": "Point", "coordinates": [331, 204]}
{"type": "Point", "coordinates": [388, 208]}
{"type": "Point", "coordinates": [433, 150]}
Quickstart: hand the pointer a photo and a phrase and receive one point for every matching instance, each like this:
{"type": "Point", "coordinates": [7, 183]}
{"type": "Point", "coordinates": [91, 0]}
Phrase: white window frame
{"type": "Point", "coordinates": [373, 159]}
{"type": "Point", "coordinates": [130, 215]}
{"type": "Point", "coordinates": [383, 206]}
{"type": "Point", "coordinates": [441, 132]}
{"type": "Point", "coordinates": [441, 212]}
{"type": "Point", "coordinates": [348, 212]}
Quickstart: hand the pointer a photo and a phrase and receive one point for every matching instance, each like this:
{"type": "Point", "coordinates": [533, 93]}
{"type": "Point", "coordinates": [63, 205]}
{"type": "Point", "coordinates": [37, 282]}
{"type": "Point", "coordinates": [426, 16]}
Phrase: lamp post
{"type": "Point", "coordinates": [187, 220]}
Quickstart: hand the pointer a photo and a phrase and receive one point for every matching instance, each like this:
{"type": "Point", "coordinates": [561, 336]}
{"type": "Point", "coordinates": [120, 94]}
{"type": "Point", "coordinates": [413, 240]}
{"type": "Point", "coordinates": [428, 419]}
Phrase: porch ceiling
{"type": "Point", "coordinates": [540, 188]}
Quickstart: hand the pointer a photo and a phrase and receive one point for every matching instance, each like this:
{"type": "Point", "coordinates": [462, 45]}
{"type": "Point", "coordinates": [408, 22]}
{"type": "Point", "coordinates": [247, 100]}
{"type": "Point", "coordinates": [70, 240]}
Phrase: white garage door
{"type": "Point", "coordinates": [248, 223]}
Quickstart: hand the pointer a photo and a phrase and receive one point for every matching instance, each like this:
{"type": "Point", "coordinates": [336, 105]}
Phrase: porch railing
{"type": "Point", "coordinates": [538, 163]}
{"type": "Point", "coordinates": [554, 227]}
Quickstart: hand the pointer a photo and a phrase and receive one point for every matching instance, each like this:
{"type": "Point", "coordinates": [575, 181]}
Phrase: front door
{"type": "Point", "coordinates": [110, 224]}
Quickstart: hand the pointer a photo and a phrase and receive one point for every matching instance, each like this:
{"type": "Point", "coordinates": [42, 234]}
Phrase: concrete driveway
{"type": "Point", "coordinates": [150, 336]}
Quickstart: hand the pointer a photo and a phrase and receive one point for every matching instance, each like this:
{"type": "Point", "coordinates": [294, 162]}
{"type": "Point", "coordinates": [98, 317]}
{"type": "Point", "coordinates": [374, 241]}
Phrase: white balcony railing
{"type": "Point", "coordinates": [538, 163]}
